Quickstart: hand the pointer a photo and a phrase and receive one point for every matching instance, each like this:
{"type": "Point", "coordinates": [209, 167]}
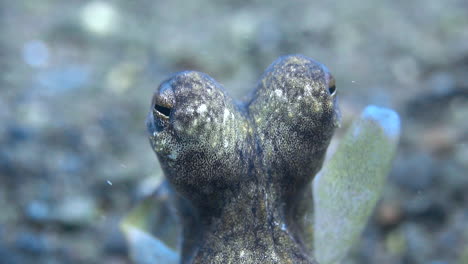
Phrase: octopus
{"type": "Point", "coordinates": [239, 173]}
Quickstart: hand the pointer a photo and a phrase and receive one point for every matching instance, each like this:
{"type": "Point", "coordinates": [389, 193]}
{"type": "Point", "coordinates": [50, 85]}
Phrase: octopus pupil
{"type": "Point", "coordinates": [163, 110]}
{"type": "Point", "coordinates": [332, 89]}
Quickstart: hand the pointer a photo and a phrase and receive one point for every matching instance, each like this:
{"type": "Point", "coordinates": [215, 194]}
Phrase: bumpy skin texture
{"type": "Point", "coordinates": [241, 172]}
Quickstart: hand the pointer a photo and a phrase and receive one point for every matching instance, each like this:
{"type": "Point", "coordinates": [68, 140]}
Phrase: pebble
{"type": "Point", "coordinates": [37, 211]}
{"type": "Point", "coordinates": [31, 243]}
{"type": "Point", "coordinates": [8, 257]}
{"type": "Point", "coordinates": [99, 17]}
{"type": "Point", "coordinates": [73, 211]}
{"type": "Point", "coordinates": [36, 53]}
{"type": "Point", "coordinates": [389, 213]}
{"type": "Point", "coordinates": [411, 175]}
{"type": "Point", "coordinates": [76, 211]}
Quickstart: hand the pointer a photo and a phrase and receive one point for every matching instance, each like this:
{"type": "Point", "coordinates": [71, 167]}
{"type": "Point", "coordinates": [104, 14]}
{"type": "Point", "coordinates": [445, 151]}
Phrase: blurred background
{"type": "Point", "coordinates": [76, 80]}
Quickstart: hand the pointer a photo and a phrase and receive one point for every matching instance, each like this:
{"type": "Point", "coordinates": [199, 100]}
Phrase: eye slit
{"type": "Point", "coordinates": [165, 111]}
{"type": "Point", "coordinates": [332, 89]}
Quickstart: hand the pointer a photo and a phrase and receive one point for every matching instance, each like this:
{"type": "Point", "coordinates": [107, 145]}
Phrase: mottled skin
{"type": "Point", "coordinates": [241, 172]}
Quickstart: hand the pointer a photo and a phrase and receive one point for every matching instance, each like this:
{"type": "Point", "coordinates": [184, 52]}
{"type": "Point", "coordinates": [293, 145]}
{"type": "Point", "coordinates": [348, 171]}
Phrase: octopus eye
{"type": "Point", "coordinates": [332, 89]}
{"type": "Point", "coordinates": [162, 111]}
{"type": "Point", "coordinates": [163, 102]}
{"type": "Point", "coordinates": [331, 86]}
{"type": "Point", "coordinates": [160, 118]}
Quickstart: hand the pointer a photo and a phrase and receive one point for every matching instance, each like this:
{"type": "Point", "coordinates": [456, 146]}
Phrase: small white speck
{"type": "Point", "coordinates": [225, 115]}
{"type": "Point", "coordinates": [353, 81]}
{"type": "Point", "coordinates": [308, 90]}
{"type": "Point", "coordinates": [123, 165]}
{"type": "Point", "coordinates": [109, 182]}
{"type": "Point", "coordinates": [279, 93]}
{"type": "Point", "coordinates": [274, 256]}
{"type": "Point", "coordinates": [202, 108]}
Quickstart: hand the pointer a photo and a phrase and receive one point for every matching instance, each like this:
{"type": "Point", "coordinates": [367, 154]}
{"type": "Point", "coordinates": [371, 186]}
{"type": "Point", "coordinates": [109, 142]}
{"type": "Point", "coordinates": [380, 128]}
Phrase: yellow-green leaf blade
{"type": "Point", "coordinates": [350, 183]}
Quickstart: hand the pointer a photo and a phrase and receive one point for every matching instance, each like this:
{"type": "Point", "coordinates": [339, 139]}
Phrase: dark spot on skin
{"type": "Point", "coordinates": [241, 173]}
